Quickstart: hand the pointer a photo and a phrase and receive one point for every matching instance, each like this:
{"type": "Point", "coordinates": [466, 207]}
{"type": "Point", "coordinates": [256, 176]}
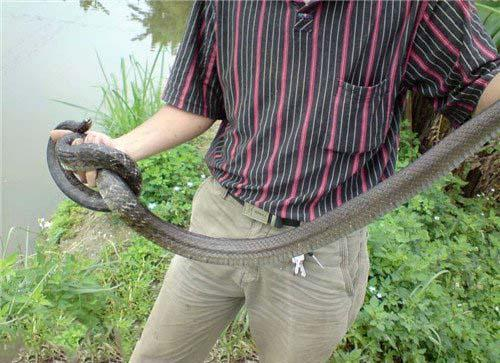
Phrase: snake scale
{"type": "Point", "coordinates": [119, 180]}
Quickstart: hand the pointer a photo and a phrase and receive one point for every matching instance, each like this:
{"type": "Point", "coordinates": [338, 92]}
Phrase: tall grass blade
{"type": "Point", "coordinates": [26, 246]}
{"type": "Point", "coordinates": [83, 108]}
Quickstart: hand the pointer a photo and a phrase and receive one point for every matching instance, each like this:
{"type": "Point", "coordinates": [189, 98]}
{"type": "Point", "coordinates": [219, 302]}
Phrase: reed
{"type": "Point", "coordinates": [130, 97]}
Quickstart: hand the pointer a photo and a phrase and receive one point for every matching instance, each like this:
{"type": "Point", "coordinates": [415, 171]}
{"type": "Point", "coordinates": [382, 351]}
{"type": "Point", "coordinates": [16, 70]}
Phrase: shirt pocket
{"type": "Point", "coordinates": [361, 117]}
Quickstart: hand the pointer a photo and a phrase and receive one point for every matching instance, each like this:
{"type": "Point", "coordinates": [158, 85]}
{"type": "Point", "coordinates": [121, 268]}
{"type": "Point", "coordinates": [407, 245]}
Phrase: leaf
{"type": "Point", "coordinates": [489, 12]}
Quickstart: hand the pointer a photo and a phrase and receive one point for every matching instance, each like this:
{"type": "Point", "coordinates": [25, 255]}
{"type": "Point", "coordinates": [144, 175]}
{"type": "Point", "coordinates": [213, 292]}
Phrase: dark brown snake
{"type": "Point", "coordinates": [119, 181]}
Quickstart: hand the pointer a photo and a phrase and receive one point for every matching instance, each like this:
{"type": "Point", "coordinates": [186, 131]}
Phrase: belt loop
{"type": "Point", "coordinates": [279, 222]}
{"type": "Point", "coordinates": [275, 221]}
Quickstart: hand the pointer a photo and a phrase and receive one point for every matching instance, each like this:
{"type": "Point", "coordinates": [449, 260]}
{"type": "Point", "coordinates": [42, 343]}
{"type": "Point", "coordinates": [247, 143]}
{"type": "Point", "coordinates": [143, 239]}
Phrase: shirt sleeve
{"type": "Point", "coordinates": [193, 84]}
{"type": "Point", "coordinates": [452, 59]}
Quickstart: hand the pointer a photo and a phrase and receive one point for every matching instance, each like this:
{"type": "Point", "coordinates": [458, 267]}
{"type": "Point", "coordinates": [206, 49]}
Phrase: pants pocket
{"type": "Point", "coordinates": [360, 283]}
{"type": "Point", "coordinates": [344, 266]}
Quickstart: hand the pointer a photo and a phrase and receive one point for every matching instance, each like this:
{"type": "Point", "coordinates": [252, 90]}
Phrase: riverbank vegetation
{"type": "Point", "coordinates": [432, 292]}
{"type": "Point", "coordinates": [433, 286]}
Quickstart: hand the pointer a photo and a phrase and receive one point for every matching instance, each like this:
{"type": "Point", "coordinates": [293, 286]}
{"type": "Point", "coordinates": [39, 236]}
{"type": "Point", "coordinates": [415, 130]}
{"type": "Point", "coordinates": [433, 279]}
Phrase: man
{"type": "Point", "coordinates": [310, 96]}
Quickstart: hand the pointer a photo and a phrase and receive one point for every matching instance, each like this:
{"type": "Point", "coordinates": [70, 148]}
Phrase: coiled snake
{"type": "Point", "coordinates": [119, 181]}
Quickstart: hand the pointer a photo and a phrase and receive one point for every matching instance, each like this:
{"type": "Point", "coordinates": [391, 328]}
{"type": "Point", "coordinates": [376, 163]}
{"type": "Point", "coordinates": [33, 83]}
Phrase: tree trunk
{"type": "Point", "coordinates": [481, 171]}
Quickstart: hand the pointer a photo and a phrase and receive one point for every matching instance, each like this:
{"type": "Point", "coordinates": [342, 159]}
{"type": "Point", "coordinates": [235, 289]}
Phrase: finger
{"type": "Point", "coordinates": [78, 141]}
{"type": "Point", "coordinates": [99, 139]}
{"type": "Point", "coordinates": [81, 176]}
{"type": "Point", "coordinates": [104, 140]}
{"type": "Point", "coordinates": [57, 134]}
{"type": "Point", "coordinates": [90, 138]}
{"type": "Point", "coordinates": [91, 176]}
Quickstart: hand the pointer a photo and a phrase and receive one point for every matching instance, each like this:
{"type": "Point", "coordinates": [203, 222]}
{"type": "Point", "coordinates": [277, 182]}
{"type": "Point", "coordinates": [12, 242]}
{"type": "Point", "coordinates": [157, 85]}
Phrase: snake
{"type": "Point", "coordinates": [119, 183]}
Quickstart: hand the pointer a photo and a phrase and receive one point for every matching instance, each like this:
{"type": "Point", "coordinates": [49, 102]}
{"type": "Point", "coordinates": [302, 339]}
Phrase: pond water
{"type": "Point", "coordinates": [49, 52]}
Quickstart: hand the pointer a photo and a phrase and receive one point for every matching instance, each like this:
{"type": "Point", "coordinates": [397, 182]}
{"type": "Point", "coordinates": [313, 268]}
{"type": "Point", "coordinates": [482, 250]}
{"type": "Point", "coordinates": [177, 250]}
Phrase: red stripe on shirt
{"type": "Point", "coordinates": [423, 65]}
{"type": "Point", "coordinates": [281, 105]}
{"type": "Point", "coordinates": [439, 34]}
{"type": "Point", "coordinates": [188, 83]}
{"type": "Point", "coordinates": [486, 51]}
{"type": "Point", "coordinates": [464, 105]}
{"type": "Point", "coordinates": [206, 80]}
{"type": "Point", "coordinates": [307, 118]}
{"type": "Point", "coordinates": [331, 142]}
{"type": "Point", "coordinates": [394, 67]}
{"type": "Point", "coordinates": [465, 9]}
{"type": "Point", "coordinates": [420, 15]}
{"type": "Point", "coordinates": [236, 84]}
{"type": "Point", "coordinates": [256, 96]}
{"type": "Point", "coordinates": [368, 80]}
{"type": "Point", "coordinates": [369, 76]}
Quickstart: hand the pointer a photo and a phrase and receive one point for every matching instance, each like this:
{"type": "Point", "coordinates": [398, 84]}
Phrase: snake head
{"type": "Point", "coordinates": [84, 126]}
{"type": "Point", "coordinates": [75, 126]}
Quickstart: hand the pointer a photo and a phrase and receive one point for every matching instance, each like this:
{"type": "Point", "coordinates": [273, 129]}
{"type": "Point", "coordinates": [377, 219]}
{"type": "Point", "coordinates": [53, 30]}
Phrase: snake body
{"type": "Point", "coordinates": [118, 184]}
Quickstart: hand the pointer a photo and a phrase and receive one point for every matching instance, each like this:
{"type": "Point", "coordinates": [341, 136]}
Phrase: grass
{"type": "Point", "coordinates": [5, 245]}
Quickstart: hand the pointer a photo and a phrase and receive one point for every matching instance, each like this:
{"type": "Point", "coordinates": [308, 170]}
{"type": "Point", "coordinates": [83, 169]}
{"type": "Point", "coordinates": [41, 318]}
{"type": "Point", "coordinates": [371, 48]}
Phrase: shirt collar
{"type": "Point", "coordinates": [309, 6]}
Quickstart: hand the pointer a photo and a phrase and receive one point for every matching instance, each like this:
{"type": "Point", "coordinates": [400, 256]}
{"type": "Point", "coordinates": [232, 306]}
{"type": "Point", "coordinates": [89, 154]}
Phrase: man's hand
{"type": "Point", "coordinates": [92, 137]}
{"type": "Point", "coordinates": [164, 130]}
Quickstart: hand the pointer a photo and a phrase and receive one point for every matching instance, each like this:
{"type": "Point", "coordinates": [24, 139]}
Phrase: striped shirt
{"type": "Point", "coordinates": [311, 95]}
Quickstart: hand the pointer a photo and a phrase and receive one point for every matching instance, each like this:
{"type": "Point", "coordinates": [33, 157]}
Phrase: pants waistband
{"type": "Point", "coordinates": [263, 216]}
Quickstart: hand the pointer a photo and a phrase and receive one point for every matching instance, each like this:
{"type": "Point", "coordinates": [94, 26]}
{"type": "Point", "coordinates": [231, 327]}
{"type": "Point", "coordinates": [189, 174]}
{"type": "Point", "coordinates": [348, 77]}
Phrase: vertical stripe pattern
{"type": "Point", "coordinates": [311, 95]}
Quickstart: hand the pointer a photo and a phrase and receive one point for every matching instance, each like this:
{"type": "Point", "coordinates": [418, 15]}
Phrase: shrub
{"type": "Point", "coordinates": [431, 294]}
{"type": "Point", "coordinates": [170, 181]}
{"type": "Point", "coordinates": [52, 298]}
{"type": "Point", "coordinates": [69, 305]}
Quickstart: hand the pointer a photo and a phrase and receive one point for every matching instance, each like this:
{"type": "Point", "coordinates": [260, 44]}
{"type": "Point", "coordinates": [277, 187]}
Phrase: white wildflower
{"type": "Point", "coordinates": [372, 288]}
{"type": "Point", "coordinates": [379, 295]}
{"type": "Point", "coordinates": [43, 223]}
{"type": "Point", "coordinates": [177, 188]}
{"type": "Point", "coordinates": [152, 205]}
{"type": "Point", "coordinates": [492, 189]}
{"type": "Point", "coordinates": [190, 184]}
{"type": "Point", "coordinates": [203, 176]}
{"type": "Point", "coordinates": [436, 218]}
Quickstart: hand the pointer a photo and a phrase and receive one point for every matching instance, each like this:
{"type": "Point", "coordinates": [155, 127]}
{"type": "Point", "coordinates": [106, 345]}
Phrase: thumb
{"type": "Point", "coordinates": [57, 134]}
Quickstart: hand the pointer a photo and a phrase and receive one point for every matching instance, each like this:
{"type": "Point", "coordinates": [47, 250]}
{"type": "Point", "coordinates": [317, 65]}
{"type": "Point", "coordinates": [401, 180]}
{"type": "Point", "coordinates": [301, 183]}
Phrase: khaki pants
{"type": "Point", "coordinates": [292, 318]}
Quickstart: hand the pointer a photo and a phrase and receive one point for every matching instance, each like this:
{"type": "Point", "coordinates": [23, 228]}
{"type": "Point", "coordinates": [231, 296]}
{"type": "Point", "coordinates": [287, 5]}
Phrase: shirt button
{"type": "Point", "coordinates": [303, 22]}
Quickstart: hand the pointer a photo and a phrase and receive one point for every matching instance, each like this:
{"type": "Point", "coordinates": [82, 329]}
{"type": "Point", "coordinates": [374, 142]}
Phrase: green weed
{"type": "Point", "coordinates": [434, 274]}
{"type": "Point", "coordinates": [170, 181]}
{"type": "Point", "coordinates": [131, 97]}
